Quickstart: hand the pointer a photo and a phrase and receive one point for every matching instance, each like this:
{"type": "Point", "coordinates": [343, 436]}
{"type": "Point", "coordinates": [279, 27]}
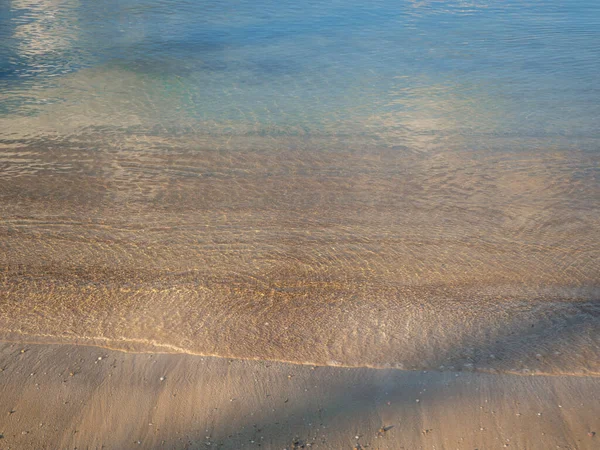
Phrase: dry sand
{"type": "Point", "coordinates": [66, 396]}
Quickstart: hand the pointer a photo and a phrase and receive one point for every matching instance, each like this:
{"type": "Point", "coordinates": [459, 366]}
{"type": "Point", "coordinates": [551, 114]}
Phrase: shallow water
{"type": "Point", "coordinates": [398, 184]}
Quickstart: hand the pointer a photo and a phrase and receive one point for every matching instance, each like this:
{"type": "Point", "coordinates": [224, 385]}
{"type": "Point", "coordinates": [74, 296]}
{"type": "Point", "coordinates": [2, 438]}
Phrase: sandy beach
{"type": "Point", "coordinates": [282, 225]}
{"type": "Point", "coordinates": [66, 397]}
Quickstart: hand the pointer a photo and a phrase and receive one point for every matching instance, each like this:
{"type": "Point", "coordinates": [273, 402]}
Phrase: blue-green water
{"type": "Point", "coordinates": [390, 183]}
{"type": "Point", "coordinates": [392, 70]}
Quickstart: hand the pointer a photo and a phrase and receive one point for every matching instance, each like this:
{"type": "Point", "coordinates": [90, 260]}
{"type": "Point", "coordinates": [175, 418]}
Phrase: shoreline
{"type": "Point", "coordinates": [427, 328]}
{"type": "Point", "coordinates": [66, 396]}
{"type": "Point", "coordinates": [74, 342]}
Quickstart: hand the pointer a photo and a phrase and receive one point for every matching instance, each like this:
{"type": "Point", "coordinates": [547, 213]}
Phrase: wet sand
{"type": "Point", "coordinates": [63, 396]}
{"type": "Point", "coordinates": [200, 203]}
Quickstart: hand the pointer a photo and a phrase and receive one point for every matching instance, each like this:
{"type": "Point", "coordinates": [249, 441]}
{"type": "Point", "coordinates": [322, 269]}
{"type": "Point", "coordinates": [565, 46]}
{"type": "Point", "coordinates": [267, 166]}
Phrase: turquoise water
{"type": "Point", "coordinates": [390, 70]}
{"type": "Point", "coordinates": [410, 184]}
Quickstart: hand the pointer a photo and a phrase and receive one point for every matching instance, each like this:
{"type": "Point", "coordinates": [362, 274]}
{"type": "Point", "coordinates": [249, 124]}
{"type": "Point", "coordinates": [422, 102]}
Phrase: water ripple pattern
{"type": "Point", "coordinates": [409, 184]}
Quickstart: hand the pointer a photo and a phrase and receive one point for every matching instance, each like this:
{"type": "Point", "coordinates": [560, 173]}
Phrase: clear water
{"type": "Point", "coordinates": [406, 72]}
{"type": "Point", "coordinates": [389, 183]}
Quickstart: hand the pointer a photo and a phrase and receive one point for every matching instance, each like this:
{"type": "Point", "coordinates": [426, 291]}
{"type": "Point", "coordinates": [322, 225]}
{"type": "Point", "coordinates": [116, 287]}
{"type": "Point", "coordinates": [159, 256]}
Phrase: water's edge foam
{"type": "Point", "coordinates": [11, 337]}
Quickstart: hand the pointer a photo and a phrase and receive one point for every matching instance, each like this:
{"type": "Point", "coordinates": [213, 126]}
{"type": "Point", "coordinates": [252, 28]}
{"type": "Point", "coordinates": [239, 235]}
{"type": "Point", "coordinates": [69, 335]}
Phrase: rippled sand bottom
{"type": "Point", "coordinates": [306, 251]}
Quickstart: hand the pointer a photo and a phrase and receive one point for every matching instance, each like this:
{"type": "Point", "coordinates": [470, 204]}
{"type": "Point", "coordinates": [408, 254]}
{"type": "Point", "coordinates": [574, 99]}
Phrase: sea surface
{"type": "Point", "coordinates": [409, 184]}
